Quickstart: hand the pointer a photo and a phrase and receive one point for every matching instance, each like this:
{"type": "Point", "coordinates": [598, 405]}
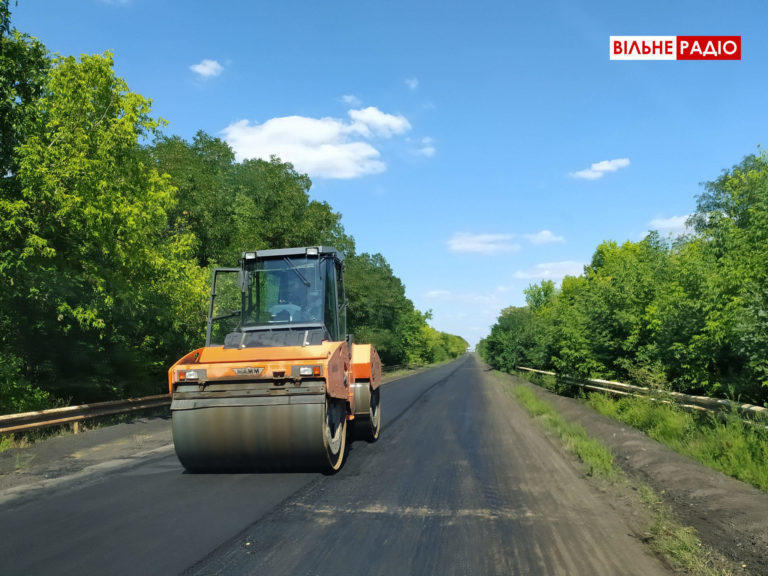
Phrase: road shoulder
{"type": "Point", "coordinates": [69, 458]}
{"type": "Point", "coordinates": [730, 517]}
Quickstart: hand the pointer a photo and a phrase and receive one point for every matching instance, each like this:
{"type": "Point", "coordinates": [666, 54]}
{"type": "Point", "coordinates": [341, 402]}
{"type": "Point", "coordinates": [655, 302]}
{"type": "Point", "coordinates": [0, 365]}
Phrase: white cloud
{"type": "Point", "coordinates": [372, 121]}
{"type": "Point", "coordinates": [492, 243]}
{"type": "Point", "coordinates": [600, 169]}
{"type": "Point", "coordinates": [551, 270]}
{"type": "Point", "coordinates": [412, 83]}
{"type": "Point", "coordinates": [350, 100]}
{"type": "Point", "coordinates": [543, 237]}
{"type": "Point", "coordinates": [482, 243]}
{"type": "Point", "coordinates": [426, 147]}
{"type": "Point", "coordinates": [323, 147]}
{"type": "Point", "coordinates": [207, 68]}
{"type": "Point", "coordinates": [674, 226]}
{"type": "Point", "coordinates": [433, 294]}
{"type": "Point", "coordinates": [491, 297]}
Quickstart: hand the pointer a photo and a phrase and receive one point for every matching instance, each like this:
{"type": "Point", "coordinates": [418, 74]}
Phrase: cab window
{"type": "Point", "coordinates": [331, 309]}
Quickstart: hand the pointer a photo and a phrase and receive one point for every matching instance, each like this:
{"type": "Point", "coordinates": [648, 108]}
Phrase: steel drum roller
{"type": "Point", "coordinates": [367, 423]}
{"type": "Point", "coordinates": [273, 433]}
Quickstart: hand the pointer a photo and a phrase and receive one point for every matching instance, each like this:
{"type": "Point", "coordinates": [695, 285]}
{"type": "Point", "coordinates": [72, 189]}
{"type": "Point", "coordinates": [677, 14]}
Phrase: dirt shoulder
{"type": "Point", "coordinates": [730, 516]}
{"type": "Point", "coordinates": [71, 456]}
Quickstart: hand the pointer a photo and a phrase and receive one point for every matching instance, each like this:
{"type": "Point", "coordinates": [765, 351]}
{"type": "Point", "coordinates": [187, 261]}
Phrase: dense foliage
{"type": "Point", "coordinates": [109, 229]}
{"type": "Point", "coordinates": [689, 314]}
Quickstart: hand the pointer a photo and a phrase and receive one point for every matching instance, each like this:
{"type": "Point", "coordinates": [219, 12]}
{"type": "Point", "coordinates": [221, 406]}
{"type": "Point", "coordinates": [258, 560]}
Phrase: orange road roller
{"type": "Point", "coordinates": [279, 383]}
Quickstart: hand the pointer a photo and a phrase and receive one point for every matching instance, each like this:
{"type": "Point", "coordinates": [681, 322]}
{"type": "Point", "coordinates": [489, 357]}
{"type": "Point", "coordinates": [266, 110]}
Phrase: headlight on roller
{"type": "Point", "coordinates": [190, 375]}
{"type": "Point", "coordinates": [307, 371]}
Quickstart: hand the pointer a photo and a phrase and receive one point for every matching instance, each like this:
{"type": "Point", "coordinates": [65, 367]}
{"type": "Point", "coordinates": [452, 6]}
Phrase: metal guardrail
{"type": "Point", "coordinates": [25, 421]}
{"type": "Point", "coordinates": [686, 400]}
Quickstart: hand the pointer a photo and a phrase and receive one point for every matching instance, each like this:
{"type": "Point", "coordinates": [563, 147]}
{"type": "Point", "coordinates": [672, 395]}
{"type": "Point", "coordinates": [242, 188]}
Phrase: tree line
{"type": "Point", "coordinates": [689, 314]}
{"type": "Point", "coordinates": [109, 229]}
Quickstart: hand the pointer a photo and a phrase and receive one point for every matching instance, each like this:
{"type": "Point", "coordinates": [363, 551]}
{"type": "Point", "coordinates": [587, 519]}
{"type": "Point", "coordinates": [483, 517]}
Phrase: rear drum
{"type": "Point", "coordinates": [367, 424]}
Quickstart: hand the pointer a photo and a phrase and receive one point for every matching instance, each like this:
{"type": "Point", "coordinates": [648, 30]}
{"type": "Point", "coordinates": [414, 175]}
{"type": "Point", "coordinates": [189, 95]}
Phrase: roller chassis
{"type": "Point", "coordinates": [279, 380]}
{"type": "Point", "coordinates": [266, 420]}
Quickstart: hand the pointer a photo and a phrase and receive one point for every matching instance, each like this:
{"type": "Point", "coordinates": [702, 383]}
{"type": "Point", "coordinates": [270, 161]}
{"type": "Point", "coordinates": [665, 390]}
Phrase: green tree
{"type": "Point", "coordinates": [202, 173]}
{"type": "Point", "coordinates": [24, 65]}
{"type": "Point", "coordinates": [231, 207]}
{"type": "Point", "coordinates": [272, 209]}
{"type": "Point", "coordinates": [105, 296]}
{"type": "Point", "coordinates": [378, 306]}
{"type": "Point", "coordinates": [539, 295]}
{"type": "Point", "coordinates": [732, 217]}
{"type": "Point", "coordinates": [512, 339]}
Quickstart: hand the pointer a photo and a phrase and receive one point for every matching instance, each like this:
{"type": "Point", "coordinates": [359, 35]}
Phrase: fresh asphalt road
{"type": "Point", "coordinates": [461, 482]}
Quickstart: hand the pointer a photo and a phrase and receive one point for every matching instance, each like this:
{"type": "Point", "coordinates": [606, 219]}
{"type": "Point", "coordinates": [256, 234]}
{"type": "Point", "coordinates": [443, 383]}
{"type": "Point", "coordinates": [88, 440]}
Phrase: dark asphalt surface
{"type": "Point", "coordinates": [461, 482]}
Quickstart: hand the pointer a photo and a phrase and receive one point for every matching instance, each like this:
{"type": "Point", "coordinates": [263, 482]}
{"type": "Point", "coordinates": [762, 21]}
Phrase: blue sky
{"type": "Point", "coordinates": [456, 138]}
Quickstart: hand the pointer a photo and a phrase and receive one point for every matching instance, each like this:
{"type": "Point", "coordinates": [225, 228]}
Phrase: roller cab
{"type": "Point", "coordinates": [278, 382]}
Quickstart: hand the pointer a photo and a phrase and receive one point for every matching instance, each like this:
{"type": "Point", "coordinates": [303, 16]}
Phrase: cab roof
{"type": "Point", "coordinates": [287, 252]}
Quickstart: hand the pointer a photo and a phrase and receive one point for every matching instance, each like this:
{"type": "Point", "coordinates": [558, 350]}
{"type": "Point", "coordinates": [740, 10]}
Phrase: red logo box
{"type": "Point", "coordinates": [709, 47]}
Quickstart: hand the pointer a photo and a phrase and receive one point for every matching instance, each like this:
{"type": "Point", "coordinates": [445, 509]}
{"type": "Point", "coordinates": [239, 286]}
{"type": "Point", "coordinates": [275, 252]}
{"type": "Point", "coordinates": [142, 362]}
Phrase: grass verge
{"type": "Point", "coordinates": [721, 441]}
{"type": "Point", "coordinates": [678, 544]}
{"type": "Point", "coordinates": [597, 459]}
{"type": "Point", "coordinates": [6, 443]}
